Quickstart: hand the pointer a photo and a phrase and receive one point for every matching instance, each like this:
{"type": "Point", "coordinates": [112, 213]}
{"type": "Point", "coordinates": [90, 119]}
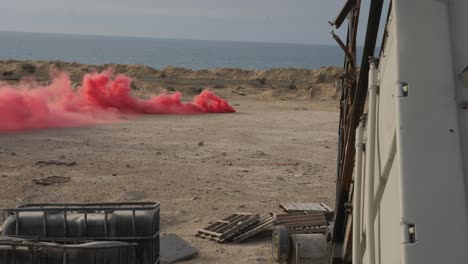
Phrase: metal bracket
{"type": "Point", "coordinates": [408, 232]}
{"type": "Point", "coordinates": [401, 89]}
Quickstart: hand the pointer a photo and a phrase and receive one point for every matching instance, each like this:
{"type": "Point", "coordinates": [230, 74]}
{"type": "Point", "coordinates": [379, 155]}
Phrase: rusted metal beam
{"type": "Point", "coordinates": [343, 47]}
{"type": "Point", "coordinates": [348, 6]}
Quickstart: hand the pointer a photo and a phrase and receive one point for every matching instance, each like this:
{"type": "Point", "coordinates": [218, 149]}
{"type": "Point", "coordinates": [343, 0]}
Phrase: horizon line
{"type": "Point", "coordinates": [167, 38]}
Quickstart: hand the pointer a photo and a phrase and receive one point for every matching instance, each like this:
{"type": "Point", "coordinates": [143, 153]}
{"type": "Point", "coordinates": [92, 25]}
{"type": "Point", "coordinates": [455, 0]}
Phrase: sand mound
{"type": "Point", "coordinates": [276, 83]}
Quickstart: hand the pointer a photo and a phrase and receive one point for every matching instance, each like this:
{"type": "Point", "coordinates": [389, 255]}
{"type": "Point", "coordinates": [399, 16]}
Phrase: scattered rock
{"type": "Point", "coordinates": [158, 153]}
{"type": "Point", "coordinates": [194, 198]}
{"type": "Point", "coordinates": [62, 157]}
{"type": "Point", "coordinates": [196, 89]}
{"type": "Point", "coordinates": [240, 93]}
{"type": "Point", "coordinates": [224, 154]}
{"type": "Point", "coordinates": [13, 153]}
{"type": "Point", "coordinates": [243, 170]}
{"type": "Point", "coordinates": [259, 153]}
{"type": "Point", "coordinates": [279, 178]}
{"type": "Point", "coordinates": [114, 174]}
{"type": "Point", "coordinates": [42, 163]}
{"type": "Point", "coordinates": [258, 259]}
{"type": "Point", "coordinates": [201, 143]}
{"type": "Point", "coordinates": [47, 181]}
{"type": "Point", "coordinates": [127, 165]}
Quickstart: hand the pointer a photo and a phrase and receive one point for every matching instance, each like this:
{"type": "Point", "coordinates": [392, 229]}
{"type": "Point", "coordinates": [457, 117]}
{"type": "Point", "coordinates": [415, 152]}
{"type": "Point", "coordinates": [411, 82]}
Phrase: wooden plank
{"type": "Point", "coordinates": [326, 207]}
{"type": "Point", "coordinates": [232, 232]}
{"type": "Point", "coordinates": [304, 224]}
{"type": "Point", "coordinates": [315, 230]}
{"type": "Point", "coordinates": [303, 216]}
{"type": "Point", "coordinates": [292, 208]}
{"type": "Point", "coordinates": [261, 226]}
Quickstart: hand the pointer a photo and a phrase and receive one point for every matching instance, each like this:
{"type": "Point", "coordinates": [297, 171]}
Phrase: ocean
{"type": "Point", "coordinates": [159, 53]}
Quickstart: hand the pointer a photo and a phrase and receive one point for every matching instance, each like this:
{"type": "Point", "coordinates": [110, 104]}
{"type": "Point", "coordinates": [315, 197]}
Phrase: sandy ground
{"type": "Point", "coordinates": [268, 152]}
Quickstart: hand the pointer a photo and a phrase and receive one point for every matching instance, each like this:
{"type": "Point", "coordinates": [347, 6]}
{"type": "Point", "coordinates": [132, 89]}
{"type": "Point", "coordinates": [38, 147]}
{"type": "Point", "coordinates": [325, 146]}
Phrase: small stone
{"type": "Point", "coordinates": [194, 198]}
{"type": "Point", "coordinates": [196, 89]}
{"type": "Point", "coordinates": [224, 154]}
{"type": "Point", "coordinates": [114, 174]}
{"type": "Point", "coordinates": [241, 206]}
{"type": "Point", "coordinates": [127, 165]}
{"type": "Point", "coordinates": [13, 153]}
{"type": "Point", "coordinates": [201, 143]}
{"type": "Point", "coordinates": [279, 178]}
{"type": "Point", "coordinates": [158, 153]}
{"type": "Point", "coordinates": [243, 170]}
{"type": "Point", "coordinates": [62, 157]}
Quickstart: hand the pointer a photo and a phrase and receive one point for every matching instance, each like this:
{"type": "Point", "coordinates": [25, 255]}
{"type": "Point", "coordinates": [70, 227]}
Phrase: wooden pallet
{"type": "Point", "coordinates": [302, 222]}
{"type": "Point", "coordinates": [227, 228]}
{"type": "Point", "coordinates": [308, 207]}
{"type": "Point", "coordinates": [266, 222]}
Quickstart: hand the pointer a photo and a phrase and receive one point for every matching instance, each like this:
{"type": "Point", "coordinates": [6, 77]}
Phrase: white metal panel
{"type": "Point", "coordinates": [387, 194]}
{"type": "Point", "coordinates": [458, 13]}
{"type": "Point", "coordinates": [430, 156]}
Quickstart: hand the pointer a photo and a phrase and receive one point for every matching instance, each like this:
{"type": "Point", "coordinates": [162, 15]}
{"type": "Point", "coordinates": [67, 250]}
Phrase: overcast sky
{"type": "Point", "coordinates": [292, 21]}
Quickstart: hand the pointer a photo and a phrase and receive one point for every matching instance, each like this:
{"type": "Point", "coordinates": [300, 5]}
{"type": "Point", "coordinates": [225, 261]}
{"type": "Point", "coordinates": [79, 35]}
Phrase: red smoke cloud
{"type": "Point", "coordinates": [102, 98]}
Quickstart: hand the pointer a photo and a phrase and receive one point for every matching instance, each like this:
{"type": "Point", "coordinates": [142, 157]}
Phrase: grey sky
{"type": "Point", "coordinates": [296, 21]}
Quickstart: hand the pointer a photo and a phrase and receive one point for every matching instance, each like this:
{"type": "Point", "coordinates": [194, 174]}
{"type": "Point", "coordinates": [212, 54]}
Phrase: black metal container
{"type": "Point", "coordinates": [68, 223]}
{"type": "Point", "coordinates": [19, 251]}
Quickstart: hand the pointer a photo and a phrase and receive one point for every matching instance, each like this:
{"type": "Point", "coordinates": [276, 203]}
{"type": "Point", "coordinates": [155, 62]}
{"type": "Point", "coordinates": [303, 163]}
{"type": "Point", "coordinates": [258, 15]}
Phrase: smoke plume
{"type": "Point", "coordinates": [102, 98]}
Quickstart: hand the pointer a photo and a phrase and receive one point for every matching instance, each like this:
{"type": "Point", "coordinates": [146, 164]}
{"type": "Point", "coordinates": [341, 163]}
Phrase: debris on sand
{"type": "Point", "coordinates": [42, 163]}
{"type": "Point", "coordinates": [201, 143]}
{"type": "Point", "coordinates": [266, 222]}
{"type": "Point", "coordinates": [51, 180]}
{"type": "Point", "coordinates": [300, 218]}
{"type": "Point", "coordinates": [226, 229]}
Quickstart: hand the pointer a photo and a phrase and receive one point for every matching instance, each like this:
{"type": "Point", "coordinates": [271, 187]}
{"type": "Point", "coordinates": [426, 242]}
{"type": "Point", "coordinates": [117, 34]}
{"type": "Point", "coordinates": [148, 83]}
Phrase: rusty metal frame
{"type": "Point", "coordinates": [354, 91]}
